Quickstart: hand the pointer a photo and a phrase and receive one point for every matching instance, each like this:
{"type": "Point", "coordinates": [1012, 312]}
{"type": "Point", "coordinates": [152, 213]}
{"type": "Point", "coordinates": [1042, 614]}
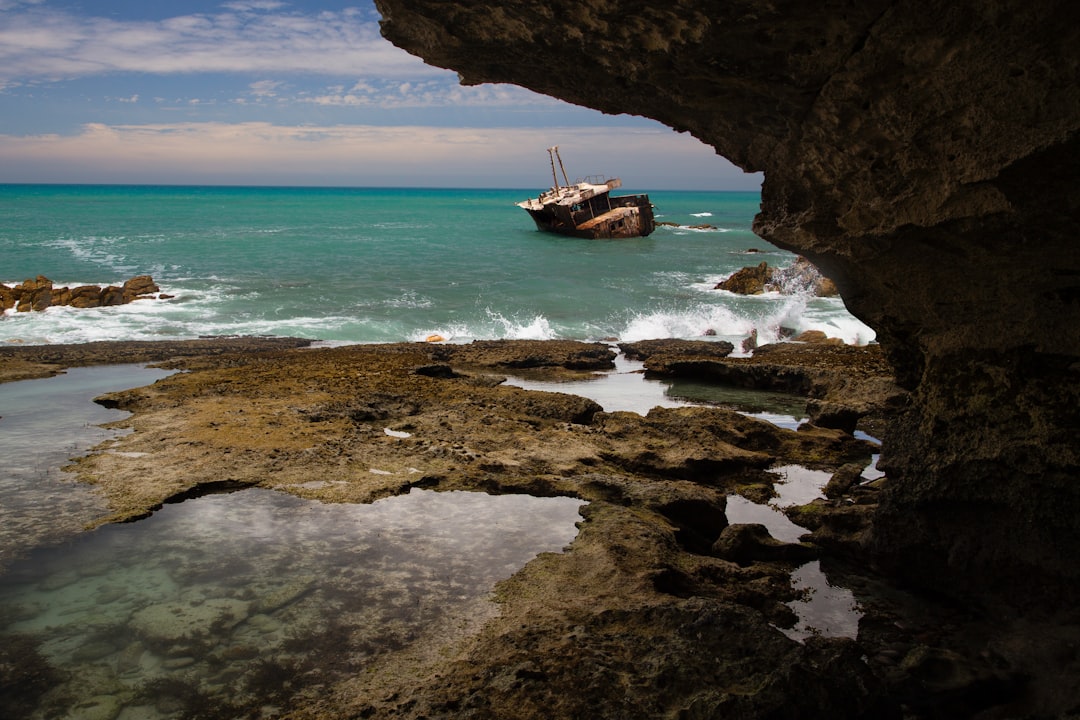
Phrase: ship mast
{"type": "Point", "coordinates": [553, 153]}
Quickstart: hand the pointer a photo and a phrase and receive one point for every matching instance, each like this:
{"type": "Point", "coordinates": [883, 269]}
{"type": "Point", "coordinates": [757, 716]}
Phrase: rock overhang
{"type": "Point", "coordinates": [925, 156]}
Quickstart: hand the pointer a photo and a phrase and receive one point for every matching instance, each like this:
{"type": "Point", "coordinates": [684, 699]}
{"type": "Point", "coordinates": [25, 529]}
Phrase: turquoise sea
{"type": "Point", "coordinates": [347, 265]}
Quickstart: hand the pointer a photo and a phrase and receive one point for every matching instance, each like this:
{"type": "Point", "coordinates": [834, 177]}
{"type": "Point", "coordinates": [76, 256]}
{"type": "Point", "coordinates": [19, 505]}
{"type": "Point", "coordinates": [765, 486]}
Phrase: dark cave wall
{"type": "Point", "coordinates": [926, 156]}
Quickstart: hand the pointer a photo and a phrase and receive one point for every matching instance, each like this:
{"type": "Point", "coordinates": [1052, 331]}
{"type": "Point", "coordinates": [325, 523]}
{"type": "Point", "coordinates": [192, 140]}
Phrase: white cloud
{"type": "Point", "coordinates": [264, 153]}
{"type": "Point", "coordinates": [6, 5]}
{"type": "Point", "coordinates": [39, 44]}
{"type": "Point", "coordinates": [265, 88]}
{"type": "Point", "coordinates": [428, 94]}
{"type": "Point", "coordinates": [253, 5]}
{"type": "Point", "coordinates": [340, 100]}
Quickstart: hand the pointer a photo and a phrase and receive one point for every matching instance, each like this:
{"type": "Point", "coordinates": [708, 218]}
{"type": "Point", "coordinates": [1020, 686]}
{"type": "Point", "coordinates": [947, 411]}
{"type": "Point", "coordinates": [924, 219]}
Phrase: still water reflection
{"type": "Point", "coordinates": [43, 423]}
{"type": "Point", "coordinates": [227, 605]}
{"type": "Point", "coordinates": [219, 606]}
{"type": "Point", "coordinates": [626, 388]}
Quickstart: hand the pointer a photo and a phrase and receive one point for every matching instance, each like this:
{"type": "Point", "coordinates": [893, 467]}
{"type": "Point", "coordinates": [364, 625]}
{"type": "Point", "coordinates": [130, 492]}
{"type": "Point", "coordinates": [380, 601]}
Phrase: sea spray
{"type": "Point", "coordinates": [699, 321]}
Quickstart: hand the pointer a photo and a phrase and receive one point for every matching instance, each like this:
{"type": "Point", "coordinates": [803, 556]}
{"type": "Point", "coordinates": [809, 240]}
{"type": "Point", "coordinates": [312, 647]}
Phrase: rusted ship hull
{"type": "Point", "coordinates": [586, 208]}
{"type": "Point", "coordinates": [629, 216]}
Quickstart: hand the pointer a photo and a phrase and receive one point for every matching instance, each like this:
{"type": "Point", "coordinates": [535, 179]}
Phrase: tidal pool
{"type": "Point", "coordinates": [626, 388]}
{"type": "Point", "coordinates": [43, 423]}
{"type": "Point", "coordinates": [225, 605]}
{"type": "Point", "coordinates": [824, 609]}
{"type": "Point", "coordinates": [228, 605]}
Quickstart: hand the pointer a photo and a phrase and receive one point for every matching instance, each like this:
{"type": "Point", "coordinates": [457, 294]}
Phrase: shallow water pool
{"type": "Point", "coordinates": [626, 388]}
{"type": "Point", "coordinates": [43, 423]}
{"type": "Point", "coordinates": [236, 601]}
{"type": "Point", "coordinates": [229, 605]}
{"type": "Point", "coordinates": [824, 609]}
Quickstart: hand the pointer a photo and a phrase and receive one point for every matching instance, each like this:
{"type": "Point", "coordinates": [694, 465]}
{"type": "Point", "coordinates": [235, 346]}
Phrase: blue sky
{"type": "Point", "coordinates": [300, 92]}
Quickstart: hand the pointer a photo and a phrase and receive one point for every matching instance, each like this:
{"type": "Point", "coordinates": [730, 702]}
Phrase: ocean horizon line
{"type": "Point", "coordinates": [246, 186]}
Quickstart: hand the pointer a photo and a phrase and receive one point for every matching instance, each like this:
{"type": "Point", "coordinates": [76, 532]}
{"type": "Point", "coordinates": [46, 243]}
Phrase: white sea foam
{"type": "Point", "coordinates": [702, 214]}
{"type": "Point", "coordinates": [696, 322]}
{"type": "Point", "coordinates": [536, 327]}
{"type": "Point", "coordinates": [450, 333]}
{"type": "Point", "coordinates": [410, 299]}
{"type": "Point", "coordinates": [680, 229]}
{"type": "Point", "coordinates": [725, 316]}
{"type": "Point", "coordinates": [831, 317]}
{"type": "Point", "coordinates": [494, 325]}
{"type": "Point", "coordinates": [104, 251]}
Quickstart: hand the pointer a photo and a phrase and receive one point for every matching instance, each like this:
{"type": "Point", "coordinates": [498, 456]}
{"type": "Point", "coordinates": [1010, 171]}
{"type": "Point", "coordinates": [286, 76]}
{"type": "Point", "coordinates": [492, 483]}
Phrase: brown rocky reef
{"type": "Point", "coordinates": [650, 599]}
{"type": "Point", "coordinates": [40, 293]}
{"type": "Point", "coordinates": [662, 606]}
{"type": "Point", "coordinates": [925, 156]}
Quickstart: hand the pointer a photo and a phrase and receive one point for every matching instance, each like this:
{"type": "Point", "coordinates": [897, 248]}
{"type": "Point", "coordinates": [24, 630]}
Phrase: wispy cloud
{"type": "Point", "coordinates": [253, 5]}
{"type": "Point", "coordinates": [13, 4]}
{"type": "Point", "coordinates": [265, 88]}
{"type": "Point", "coordinates": [249, 36]}
{"type": "Point", "coordinates": [257, 153]}
{"type": "Point", "coordinates": [280, 95]}
{"type": "Point", "coordinates": [421, 93]}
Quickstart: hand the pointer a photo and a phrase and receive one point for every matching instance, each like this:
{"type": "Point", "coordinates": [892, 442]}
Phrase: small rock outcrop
{"type": "Point", "coordinates": [746, 543]}
{"type": "Point", "coordinates": [748, 281]}
{"type": "Point", "coordinates": [800, 276]}
{"type": "Point", "coordinates": [40, 294]}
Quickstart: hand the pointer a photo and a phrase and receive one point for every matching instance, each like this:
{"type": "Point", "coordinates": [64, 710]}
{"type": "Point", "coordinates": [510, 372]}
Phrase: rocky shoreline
{"type": "Point", "coordinates": [659, 607]}
{"type": "Point", "coordinates": [40, 293]}
{"type": "Point", "coordinates": [28, 362]}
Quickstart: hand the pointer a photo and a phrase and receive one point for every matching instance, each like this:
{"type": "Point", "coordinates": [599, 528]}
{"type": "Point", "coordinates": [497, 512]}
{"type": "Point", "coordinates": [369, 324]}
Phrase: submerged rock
{"type": "Point", "coordinates": [179, 629]}
{"type": "Point", "coordinates": [25, 675]}
{"type": "Point", "coordinates": [286, 595]}
{"type": "Point", "coordinates": [99, 707]}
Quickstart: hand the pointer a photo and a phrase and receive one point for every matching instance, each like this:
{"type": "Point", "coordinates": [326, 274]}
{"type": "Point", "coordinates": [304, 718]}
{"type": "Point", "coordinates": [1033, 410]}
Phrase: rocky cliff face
{"type": "Point", "coordinates": [924, 155]}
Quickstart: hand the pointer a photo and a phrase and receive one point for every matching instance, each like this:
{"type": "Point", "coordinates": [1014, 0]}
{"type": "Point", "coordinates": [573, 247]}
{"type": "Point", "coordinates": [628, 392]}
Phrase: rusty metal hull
{"type": "Point", "coordinates": [602, 217]}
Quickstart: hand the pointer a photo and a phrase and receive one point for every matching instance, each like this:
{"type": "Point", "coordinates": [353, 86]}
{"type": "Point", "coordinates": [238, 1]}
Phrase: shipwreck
{"type": "Point", "coordinates": [587, 209]}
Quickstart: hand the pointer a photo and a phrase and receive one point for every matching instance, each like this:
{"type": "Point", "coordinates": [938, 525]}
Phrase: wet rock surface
{"type": "Point", "coordinates": [658, 608]}
{"type": "Point", "coordinates": [801, 276]}
{"type": "Point", "coordinates": [25, 362]}
{"type": "Point", "coordinates": [847, 386]}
